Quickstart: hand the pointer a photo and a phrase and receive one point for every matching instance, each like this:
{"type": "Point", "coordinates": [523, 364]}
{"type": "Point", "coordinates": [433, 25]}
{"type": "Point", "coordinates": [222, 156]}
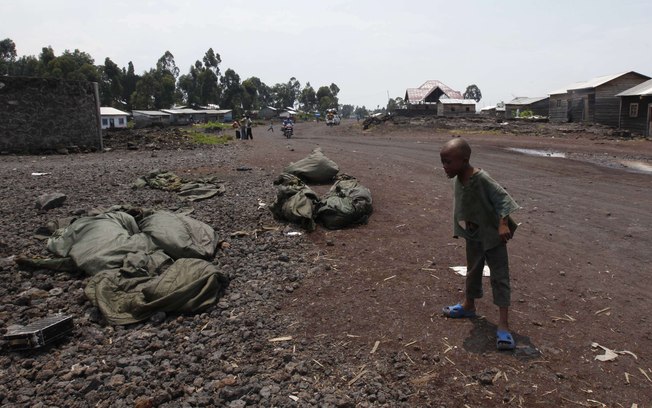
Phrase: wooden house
{"type": "Point", "coordinates": [593, 101]}
{"type": "Point", "coordinates": [113, 118]}
{"type": "Point", "coordinates": [636, 109]}
{"type": "Point", "coordinates": [455, 107]}
{"type": "Point", "coordinates": [427, 95]}
{"type": "Point", "coordinates": [185, 116]}
{"type": "Point", "coordinates": [539, 106]}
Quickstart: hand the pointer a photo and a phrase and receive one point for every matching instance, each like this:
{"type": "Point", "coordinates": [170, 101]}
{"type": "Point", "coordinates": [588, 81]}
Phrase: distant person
{"type": "Point", "coordinates": [248, 128]}
{"type": "Point", "coordinates": [481, 216]}
{"type": "Point", "coordinates": [271, 126]}
{"type": "Point", "coordinates": [236, 126]}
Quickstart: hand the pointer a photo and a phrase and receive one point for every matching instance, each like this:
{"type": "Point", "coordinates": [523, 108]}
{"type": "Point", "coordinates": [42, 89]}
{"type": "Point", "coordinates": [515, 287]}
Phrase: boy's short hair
{"type": "Point", "coordinates": [460, 145]}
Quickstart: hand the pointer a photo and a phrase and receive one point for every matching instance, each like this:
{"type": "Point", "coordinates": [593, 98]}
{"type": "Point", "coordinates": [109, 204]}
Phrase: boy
{"type": "Point", "coordinates": [481, 217]}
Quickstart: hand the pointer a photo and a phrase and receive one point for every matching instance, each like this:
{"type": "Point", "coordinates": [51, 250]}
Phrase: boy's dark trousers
{"type": "Point", "coordinates": [498, 262]}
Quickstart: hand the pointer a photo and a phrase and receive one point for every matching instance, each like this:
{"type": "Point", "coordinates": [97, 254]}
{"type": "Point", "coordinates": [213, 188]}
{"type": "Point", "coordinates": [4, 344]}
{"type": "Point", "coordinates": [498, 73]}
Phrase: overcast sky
{"type": "Point", "coordinates": [368, 48]}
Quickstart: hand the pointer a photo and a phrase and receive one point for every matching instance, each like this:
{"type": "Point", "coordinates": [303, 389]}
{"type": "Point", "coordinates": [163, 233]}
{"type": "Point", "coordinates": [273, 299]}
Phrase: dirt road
{"type": "Point", "coordinates": [580, 265]}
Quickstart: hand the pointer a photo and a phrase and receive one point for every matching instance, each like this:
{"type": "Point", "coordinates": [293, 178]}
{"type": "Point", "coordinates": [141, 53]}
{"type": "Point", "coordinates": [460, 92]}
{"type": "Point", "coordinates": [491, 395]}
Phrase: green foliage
{"type": "Point", "coordinates": [162, 86]}
{"type": "Point", "coordinates": [396, 103]}
{"type": "Point", "coordinates": [473, 92]}
{"type": "Point", "coordinates": [347, 110]}
{"type": "Point", "coordinates": [7, 55]}
{"type": "Point", "coordinates": [212, 126]}
{"type": "Point", "coordinates": [526, 114]}
{"type": "Point", "coordinates": [204, 138]}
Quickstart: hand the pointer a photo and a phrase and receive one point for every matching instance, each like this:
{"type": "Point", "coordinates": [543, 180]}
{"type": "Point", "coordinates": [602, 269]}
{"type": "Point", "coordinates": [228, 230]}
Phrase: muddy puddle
{"type": "Point", "coordinates": [540, 153]}
{"type": "Point", "coordinates": [635, 166]}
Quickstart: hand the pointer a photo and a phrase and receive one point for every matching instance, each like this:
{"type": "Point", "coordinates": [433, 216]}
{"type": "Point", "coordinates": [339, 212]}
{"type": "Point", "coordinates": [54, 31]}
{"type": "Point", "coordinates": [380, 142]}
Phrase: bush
{"type": "Point", "coordinates": [212, 126]}
{"type": "Point", "coordinates": [203, 138]}
{"type": "Point", "coordinates": [526, 114]}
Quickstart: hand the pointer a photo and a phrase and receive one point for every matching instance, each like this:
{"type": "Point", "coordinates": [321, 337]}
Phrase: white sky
{"type": "Point", "coordinates": [368, 48]}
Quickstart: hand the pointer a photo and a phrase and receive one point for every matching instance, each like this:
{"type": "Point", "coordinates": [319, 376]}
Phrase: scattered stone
{"type": "Point", "coordinates": [49, 201]}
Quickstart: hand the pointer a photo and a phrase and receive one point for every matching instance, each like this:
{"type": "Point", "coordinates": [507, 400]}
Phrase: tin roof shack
{"type": "Point", "coordinates": [425, 97]}
{"type": "Point", "coordinates": [267, 112]}
{"type": "Point", "coordinates": [113, 118]}
{"type": "Point", "coordinates": [493, 111]}
{"type": "Point", "coordinates": [593, 101]}
{"type": "Point", "coordinates": [144, 118]}
{"type": "Point", "coordinates": [539, 106]}
{"type": "Point", "coordinates": [185, 116]}
{"type": "Point", "coordinates": [455, 107]}
{"type": "Point", "coordinates": [636, 109]}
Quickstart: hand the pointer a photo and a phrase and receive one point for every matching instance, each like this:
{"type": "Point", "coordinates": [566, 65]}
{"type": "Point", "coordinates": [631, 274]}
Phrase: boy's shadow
{"type": "Point", "coordinates": [482, 339]}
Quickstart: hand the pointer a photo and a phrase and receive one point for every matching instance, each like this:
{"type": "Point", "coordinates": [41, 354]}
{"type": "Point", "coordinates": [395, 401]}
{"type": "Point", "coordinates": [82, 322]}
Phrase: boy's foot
{"type": "Point", "coordinates": [504, 340]}
{"type": "Point", "coordinates": [457, 312]}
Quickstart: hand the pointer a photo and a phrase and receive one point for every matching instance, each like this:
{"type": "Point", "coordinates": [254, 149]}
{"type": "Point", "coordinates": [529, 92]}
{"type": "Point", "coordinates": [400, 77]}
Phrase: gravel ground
{"type": "Point", "coordinates": [222, 357]}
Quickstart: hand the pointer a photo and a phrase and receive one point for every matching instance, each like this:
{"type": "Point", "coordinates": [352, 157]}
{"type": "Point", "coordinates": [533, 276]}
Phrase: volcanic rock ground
{"type": "Point", "coordinates": [357, 310]}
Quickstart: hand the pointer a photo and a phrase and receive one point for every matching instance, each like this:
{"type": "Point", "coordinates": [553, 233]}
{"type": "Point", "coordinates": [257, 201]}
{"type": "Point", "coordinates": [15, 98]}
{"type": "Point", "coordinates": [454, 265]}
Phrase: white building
{"type": "Point", "coordinates": [113, 118]}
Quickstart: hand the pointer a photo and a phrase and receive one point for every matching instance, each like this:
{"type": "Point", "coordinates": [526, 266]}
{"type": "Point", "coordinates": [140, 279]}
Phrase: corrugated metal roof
{"type": "Point", "coordinates": [524, 100]}
{"type": "Point", "coordinates": [644, 89]}
{"type": "Point", "coordinates": [182, 111]}
{"type": "Point", "coordinates": [150, 113]}
{"type": "Point", "coordinates": [108, 111]}
{"type": "Point", "coordinates": [416, 94]}
{"type": "Point", "coordinates": [595, 82]}
{"type": "Point", "coordinates": [457, 101]}
{"type": "Point", "coordinates": [591, 83]}
{"type": "Point", "coordinates": [420, 93]}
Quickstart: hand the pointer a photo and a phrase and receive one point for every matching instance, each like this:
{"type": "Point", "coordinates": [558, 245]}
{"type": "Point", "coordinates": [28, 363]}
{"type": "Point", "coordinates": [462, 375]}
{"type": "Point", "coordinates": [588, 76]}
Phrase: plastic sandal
{"type": "Point", "coordinates": [457, 312]}
{"type": "Point", "coordinates": [504, 340]}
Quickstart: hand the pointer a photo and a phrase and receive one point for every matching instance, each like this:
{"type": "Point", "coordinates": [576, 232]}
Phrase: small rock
{"type": "Point", "coordinates": [49, 201]}
{"type": "Point", "coordinates": [55, 291]}
{"type": "Point", "coordinates": [158, 318]}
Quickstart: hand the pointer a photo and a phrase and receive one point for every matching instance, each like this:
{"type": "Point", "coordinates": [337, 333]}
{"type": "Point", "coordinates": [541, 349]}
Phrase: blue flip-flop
{"type": "Point", "coordinates": [457, 312]}
{"type": "Point", "coordinates": [504, 340]}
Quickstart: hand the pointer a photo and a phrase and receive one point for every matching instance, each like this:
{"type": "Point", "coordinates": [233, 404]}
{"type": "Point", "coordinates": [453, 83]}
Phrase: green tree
{"type": "Point", "coordinates": [347, 110]}
{"type": "Point", "coordinates": [111, 84]}
{"type": "Point", "coordinates": [146, 88]}
{"type": "Point", "coordinates": [7, 55]}
{"type": "Point", "coordinates": [254, 90]}
{"type": "Point", "coordinates": [325, 98]}
{"type": "Point", "coordinates": [361, 111]}
{"type": "Point", "coordinates": [26, 66]}
{"type": "Point", "coordinates": [201, 86]}
{"type": "Point", "coordinates": [129, 81]}
{"type": "Point", "coordinates": [233, 92]}
{"type": "Point", "coordinates": [473, 92]}
{"type": "Point", "coordinates": [75, 65]}
{"type": "Point", "coordinates": [308, 98]}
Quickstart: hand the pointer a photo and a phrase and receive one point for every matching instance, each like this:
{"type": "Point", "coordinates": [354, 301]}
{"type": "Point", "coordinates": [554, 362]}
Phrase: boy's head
{"type": "Point", "coordinates": [455, 156]}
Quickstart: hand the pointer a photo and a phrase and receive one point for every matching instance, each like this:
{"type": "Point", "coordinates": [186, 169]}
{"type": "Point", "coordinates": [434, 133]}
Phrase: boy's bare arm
{"type": "Point", "coordinates": [503, 230]}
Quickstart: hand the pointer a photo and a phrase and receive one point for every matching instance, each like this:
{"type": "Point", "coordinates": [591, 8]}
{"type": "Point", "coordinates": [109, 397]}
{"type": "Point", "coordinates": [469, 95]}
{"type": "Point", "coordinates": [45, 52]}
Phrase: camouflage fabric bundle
{"type": "Point", "coordinates": [346, 203]}
{"type": "Point", "coordinates": [315, 168]}
{"type": "Point", "coordinates": [294, 202]}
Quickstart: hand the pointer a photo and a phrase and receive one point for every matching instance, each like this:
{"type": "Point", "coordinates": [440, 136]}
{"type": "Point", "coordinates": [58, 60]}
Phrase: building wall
{"type": "Point", "coordinates": [455, 110]}
{"type": "Point", "coordinates": [40, 115]}
{"type": "Point", "coordinates": [117, 122]}
{"type": "Point", "coordinates": [558, 108]}
{"type": "Point", "coordinates": [636, 124]}
{"type": "Point", "coordinates": [539, 108]}
{"type": "Point", "coordinates": [607, 105]}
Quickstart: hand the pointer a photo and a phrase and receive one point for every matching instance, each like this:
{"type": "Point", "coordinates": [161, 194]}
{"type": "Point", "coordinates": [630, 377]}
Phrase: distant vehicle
{"type": "Point", "coordinates": [332, 118]}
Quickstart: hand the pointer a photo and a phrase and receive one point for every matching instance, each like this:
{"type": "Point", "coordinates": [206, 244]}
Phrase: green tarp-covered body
{"type": "Point", "coordinates": [347, 203]}
{"type": "Point", "coordinates": [295, 202]}
{"type": "Point", "coordinates": [137, 268]}
{"type": "Point", "coordinates": [315, 168]}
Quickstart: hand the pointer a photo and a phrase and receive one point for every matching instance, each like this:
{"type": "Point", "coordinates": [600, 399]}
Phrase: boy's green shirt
{"type": "Point", "coordinates": [481, 204]}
